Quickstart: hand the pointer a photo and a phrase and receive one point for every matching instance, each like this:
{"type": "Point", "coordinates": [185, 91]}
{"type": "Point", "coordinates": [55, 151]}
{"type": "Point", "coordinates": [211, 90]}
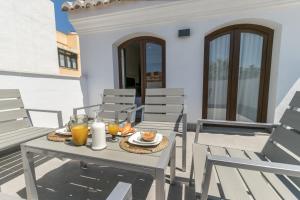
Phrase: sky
{"type": "Point", "coordinates": [61, 18]}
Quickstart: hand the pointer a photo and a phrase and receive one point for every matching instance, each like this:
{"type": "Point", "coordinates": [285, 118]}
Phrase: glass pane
{"type": "Point", "coordinates": [74, 63]}
{"type": "Point", "coordinates": [154, 65]}
{"type": "Point", "coordinates": [61, 60]}
{"type": "Point", "coordinates": [218, 77]}
{"type": "Point", "coordinates": [249, 76]}
{"type": "Point", "coordinates": [69, 62]}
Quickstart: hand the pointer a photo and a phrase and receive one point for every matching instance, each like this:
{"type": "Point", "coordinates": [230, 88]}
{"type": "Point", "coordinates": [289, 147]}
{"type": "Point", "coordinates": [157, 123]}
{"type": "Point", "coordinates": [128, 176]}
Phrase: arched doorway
{"type": "Point", "coordinates": [237, 65]}
{"type": "Point", "coordinates": [142, 65]}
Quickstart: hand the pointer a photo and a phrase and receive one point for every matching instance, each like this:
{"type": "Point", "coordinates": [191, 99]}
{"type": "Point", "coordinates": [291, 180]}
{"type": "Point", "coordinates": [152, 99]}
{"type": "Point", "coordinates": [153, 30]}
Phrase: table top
{"type": "Point", "coordinates": [112, 154]}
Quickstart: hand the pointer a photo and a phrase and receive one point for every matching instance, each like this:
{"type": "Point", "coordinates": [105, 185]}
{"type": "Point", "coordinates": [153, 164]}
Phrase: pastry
{"type": "Point", "coordinates": [148, 136]}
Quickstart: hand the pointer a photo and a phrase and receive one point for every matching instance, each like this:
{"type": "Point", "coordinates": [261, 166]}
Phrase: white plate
{"type": "Point", "coordinates": [120, 134]}
{"type": "Point", "coordinates": [135, 139]}
{"type": "Point", "coordinates": [141, 141]}
{"type": "Point", "coordinates": [63, 131]}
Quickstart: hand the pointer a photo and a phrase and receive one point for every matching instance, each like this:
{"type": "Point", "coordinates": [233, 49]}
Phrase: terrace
{"type": "Point", "coordinates": [63, 179]}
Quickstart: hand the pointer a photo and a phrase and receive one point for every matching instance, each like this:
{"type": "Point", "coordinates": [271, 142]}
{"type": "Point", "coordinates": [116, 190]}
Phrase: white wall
{"type": "Point", "coordinates": [47, 93]}
{"type": "Point", "coordinates": [184, 64]}
{"type": "Point", "coordinates": [28, 37]}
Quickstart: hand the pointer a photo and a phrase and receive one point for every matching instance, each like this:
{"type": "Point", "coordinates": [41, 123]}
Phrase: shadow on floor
{"type": "Point", "coordinates": [11, 165]}
{"type": "Point", "coordinates": [97, 182]}
{"type": "Point", "coordinates": [180, 191]}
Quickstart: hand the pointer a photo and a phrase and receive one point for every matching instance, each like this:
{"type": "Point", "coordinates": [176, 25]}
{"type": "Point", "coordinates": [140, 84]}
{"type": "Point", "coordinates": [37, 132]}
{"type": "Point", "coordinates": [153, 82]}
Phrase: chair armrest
{"type": "Point", "coordinates": [257, 165]}
{"type": "Point", "coordinates": [84, 107]}
{"type": "Point", "coordinates": [123, 191]}
{"type": "Point", "coordinates": [184, 122]}
{"type": "Point", "coordinates": [127, 109]}
{"type": "Point", "coordinates": [58, 112]}
{"type": "Point", "coordinates": [129, 112]}
{"type": "Point", "coordinates": [262, 166]}
{"type": "Point", "coordinates": [142, 107]}
{"type": "Point", "coordinates": [202, 122]}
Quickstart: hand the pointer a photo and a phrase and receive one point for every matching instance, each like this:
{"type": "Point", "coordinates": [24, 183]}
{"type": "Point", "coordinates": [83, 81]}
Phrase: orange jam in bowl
{"type": "Point", "coordinates": [79, 134]}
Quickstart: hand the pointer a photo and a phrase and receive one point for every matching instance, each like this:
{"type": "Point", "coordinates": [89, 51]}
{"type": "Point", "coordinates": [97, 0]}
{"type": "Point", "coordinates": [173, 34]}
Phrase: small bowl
{"type": "Point", "coordinates": [148, 135]}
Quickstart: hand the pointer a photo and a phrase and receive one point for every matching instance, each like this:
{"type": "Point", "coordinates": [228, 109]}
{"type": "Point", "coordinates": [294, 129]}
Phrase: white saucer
{"type": "Point", "coordinates": [120, 134]}
{"type": "Point", "coordinates": [136, 140]}
{"type": "Point", "coordinates": [63, 131]}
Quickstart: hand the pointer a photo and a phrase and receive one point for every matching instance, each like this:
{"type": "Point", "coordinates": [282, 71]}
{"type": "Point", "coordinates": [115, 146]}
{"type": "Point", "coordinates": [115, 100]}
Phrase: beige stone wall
{"type": "Point", "coordinates": [69, 42]}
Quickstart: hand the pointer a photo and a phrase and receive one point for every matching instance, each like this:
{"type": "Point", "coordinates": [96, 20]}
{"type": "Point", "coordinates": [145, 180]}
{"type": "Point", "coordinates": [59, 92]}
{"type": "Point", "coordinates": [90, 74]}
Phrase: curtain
{"type": "Point", "coordinates": [251, 46]}
{"type": "Point", "coordinates": [218, 77]}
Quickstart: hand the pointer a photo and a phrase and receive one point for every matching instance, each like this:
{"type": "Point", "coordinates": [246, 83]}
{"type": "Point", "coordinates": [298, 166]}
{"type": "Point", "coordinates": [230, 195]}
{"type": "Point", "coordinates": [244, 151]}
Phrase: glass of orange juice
{"type": "Point", "coordinates": [113, 129]}
{"type": "Point", "coordinates": [80, 134]}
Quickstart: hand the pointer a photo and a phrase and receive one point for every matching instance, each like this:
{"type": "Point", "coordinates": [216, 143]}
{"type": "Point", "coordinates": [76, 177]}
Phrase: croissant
{"type": "Point", "coordinates": [126, 129]}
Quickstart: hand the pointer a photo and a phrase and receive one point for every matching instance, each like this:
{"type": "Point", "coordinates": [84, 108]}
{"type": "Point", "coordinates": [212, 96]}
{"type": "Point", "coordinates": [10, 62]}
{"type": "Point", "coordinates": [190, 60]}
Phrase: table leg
{"type": "Point", "coordinates": [192, 172]}
{"type": "Point", "coordinates": [83, 165]}
{"type": "Point", "coordinates": [160, 184]}
{"type": "Point", "coordinates": [173, 164]}
{"type": "Point", "coordinates": [29, 173]}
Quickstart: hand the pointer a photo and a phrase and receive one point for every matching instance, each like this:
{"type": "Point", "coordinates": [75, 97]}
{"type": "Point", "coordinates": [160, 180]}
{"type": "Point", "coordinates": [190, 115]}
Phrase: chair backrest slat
{"type": "Point", "coordinates": [164, 108]}
{"type": "Point", "coordinates": [120, 92]}
{"type": "Point", "coordinates": [111, 116]}
{"type": "Point", "coordinates": [12, 113]}
{"type": "Point", "coordinates": [11, 104]}
{"type": "Point", "coordinates": [116, 100]}
{"type": "Point", "coordinates": [291, 118]}
{"type": "Point", "coordinates": [283, 145]}
{"type": "Point", "coordinates": [165, 92]}
{"type": "Point", "coordinates": [164, 104]}
{"type": "Point", "coordinates": [154, 100]}
{"type": "Point", "coordinates": [14, 125]}
{"type": "Point", "coordinates": [287, 138]}
{"type": "Point", "coordinates": [277, 154]}
{"type": "Point", "coordinates": [175, 118]}
{"type": "Point", "coordinates": [9, 93]}
{"type": "Point", "coordinates": [114, 107]}
{"type": "Point", "coordinates": [295, 103]}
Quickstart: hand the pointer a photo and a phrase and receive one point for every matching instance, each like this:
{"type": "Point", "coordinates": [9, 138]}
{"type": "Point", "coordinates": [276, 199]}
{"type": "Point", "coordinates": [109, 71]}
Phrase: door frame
{"type": "Point", "coordinates": [235, 32]}
{"type": "Point", "coordinates": [142, 40]}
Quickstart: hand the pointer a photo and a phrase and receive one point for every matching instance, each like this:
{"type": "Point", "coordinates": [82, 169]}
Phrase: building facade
{"type": "Point", "coordinates": [68, 49]}
{"type": "Point", "coordinates": [29, 60]}
{"type": "Point", "coordinates": [25, 32]}
{"type": "Point", "coordinates": [236, 60]}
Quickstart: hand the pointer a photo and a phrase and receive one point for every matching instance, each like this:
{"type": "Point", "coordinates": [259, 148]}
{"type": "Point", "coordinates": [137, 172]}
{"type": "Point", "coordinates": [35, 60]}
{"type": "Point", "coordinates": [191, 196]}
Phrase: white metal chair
{"type": "Point", "coordinates": [274, 173]}
{"type": "Point", "coordinates": [164, 110]}
{"type": "Point", "coordinates": [15, 122]}
{"type": "Point", "coordinates": [115, 103]}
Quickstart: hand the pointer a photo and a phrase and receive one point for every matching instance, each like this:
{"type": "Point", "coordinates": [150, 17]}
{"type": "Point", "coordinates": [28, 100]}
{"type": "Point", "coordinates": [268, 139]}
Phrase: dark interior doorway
{"type": "Point", "coordinates": [142, 65]}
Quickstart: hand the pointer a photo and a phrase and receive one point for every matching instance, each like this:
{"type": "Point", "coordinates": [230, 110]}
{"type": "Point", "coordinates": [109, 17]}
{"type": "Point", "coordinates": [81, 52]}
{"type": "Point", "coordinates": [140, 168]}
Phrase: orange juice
{"type": "Point", "coordinates": [79, 134]}
{"type": "Point", "coordinates": [113, 128]}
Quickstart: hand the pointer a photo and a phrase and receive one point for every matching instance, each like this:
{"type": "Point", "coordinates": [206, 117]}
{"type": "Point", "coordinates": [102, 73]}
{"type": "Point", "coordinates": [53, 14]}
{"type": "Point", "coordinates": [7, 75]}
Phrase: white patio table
{"type": "Point", "coordinates": [154, 164]}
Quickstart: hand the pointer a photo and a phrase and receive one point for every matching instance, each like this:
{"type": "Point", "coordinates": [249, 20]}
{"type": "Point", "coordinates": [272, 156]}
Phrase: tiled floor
{"type": "Point", "coordinates": [59, 179]}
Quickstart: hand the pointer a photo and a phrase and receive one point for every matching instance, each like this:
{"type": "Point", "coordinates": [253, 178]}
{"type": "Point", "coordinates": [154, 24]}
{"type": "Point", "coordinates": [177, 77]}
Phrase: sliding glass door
{"type": "Point", "coordinates": [237, 72]}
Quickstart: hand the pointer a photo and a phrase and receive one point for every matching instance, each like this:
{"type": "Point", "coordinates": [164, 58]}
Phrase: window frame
{"type": "Point", "coordinates": [68, 56]}
{"type": "Point", "coordinates": [233, 72]}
